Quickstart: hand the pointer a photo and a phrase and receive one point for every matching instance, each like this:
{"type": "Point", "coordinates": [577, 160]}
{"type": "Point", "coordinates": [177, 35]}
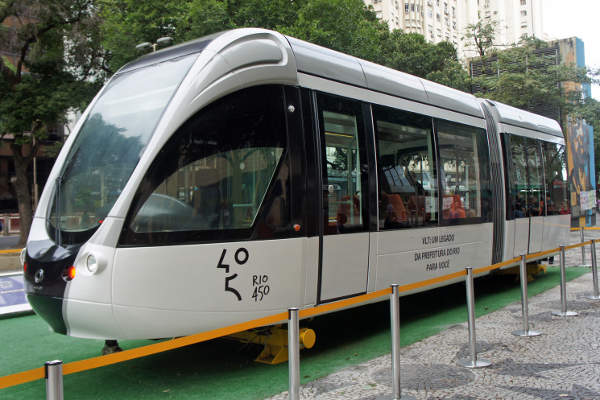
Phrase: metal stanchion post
{"type": "Point", "coordinates": [395, 320]}
{"type": "Point", "coordinates": [596, 295]}
{"type": "Point", "coordinates": [582, 247]}
{"type": "Point", "coordinates": [473, 362]}
{"type": "Point", "coordinates": [294, 353]}
{"type": "Point", "coordinates": [54, 380]}
{"type": "Point", "coordinates": [563, 289]}
{"type": "Point", "coordinates": [524, 302]}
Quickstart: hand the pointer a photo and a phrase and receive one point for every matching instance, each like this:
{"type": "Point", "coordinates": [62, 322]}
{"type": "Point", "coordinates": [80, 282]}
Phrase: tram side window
{"type": "Point", "coordinates": [526, 178]}
{"type": "Point", "coordinates": [555, 167]}
{"type": "Point", "coordinates": [344, 162]}
{"type": "Point", "coordinates": [214, 173]}
{"type": "Point", "coordinates": [407, 181]}
{"type": "Point", "coordinates": [465, 173]}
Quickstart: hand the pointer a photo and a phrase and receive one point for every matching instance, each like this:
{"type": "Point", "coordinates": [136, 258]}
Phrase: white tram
{"type": "Point", "coordinates": [237, 175]}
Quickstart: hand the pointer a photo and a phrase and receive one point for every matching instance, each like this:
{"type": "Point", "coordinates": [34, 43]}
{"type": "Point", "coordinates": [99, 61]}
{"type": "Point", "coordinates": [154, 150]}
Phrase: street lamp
{"type": "Point", "coordinates": [160, 42]}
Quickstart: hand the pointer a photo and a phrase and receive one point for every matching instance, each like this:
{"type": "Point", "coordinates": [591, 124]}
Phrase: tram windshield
{"type": "Point", "coordinates": [110, 144]}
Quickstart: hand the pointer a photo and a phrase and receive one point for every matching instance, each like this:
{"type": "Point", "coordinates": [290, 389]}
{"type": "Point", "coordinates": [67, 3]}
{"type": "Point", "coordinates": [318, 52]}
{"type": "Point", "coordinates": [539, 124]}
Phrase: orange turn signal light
{"type": "Point", "coordinates": [69, 273]}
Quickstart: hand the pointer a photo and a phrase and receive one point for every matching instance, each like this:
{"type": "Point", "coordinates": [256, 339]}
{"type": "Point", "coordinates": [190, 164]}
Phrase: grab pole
{"type": "Point", "coordinates": [54, 380]}
{"type": "Point", "coordinates": [294, 353]}
{"type": "Point", "coordinates": [525, 332]}
{"type": "Point", "coordinates": [596, 295]}
{"type": "Point", "coordinates": [473, 362]}
{"type": "Point", "coordinates": [563, 289]}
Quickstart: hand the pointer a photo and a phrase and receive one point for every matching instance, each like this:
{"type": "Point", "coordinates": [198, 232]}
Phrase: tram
{"type": "Point", "coordinates": [234, 176]}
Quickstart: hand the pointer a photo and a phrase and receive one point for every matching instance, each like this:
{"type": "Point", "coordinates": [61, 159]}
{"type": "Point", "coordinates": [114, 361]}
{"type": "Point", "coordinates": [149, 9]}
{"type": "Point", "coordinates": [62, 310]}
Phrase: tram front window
{"type": "Point", "coordinates": [109, 146]}
{"type": "Point", "coordinates": [212, 177]}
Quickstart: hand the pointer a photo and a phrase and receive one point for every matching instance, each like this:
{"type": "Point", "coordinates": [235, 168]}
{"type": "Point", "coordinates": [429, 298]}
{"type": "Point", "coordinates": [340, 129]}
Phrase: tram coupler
{"type": "Point", "coordinates": [275, 342]}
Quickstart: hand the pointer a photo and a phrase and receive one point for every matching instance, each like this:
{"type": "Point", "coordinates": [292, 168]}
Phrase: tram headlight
{"type": "Point", "coordinates": [91, 264]}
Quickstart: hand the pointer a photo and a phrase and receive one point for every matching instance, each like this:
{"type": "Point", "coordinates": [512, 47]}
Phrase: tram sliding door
{"type": "Point", "coordinates": [345, 245]}
{"type": "Point", "coordinates": [526, 195]}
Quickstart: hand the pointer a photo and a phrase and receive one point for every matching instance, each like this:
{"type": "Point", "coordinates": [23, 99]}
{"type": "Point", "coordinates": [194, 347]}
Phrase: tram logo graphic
{"type": "Point", "coordinates": [241, 257]}
{"type": "Point", "coordinates": [39, 276]}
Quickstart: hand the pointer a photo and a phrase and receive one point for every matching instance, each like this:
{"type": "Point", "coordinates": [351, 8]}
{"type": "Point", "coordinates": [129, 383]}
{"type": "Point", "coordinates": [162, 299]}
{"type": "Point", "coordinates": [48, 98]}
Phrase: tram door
{"type": "Point", "coordinates": [527, 195]}
{"type": "Point", "coordinates": [345, 235]}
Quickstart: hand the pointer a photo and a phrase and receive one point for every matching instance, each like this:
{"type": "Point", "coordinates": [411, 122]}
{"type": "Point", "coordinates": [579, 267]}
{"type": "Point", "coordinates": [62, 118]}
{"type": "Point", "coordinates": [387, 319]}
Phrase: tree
{"type": "Point", "coordinates": [57, 52]}
{"type": "Point", "coordinates": [529, 78]}
{"type": "Point", "coordinates": [343, 25]}
{"type": "Point", "coordinates": [127, 23]}
{"type": "Point", "coordinates": [409, 52]}
{"type": "Point", "coordinates": [482, 35]}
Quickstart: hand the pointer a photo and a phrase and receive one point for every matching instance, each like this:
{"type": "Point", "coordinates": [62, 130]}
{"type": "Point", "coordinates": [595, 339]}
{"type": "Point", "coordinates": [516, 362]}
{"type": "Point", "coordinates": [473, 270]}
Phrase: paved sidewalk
{"type": "Point", "coordinates": [563, 363]}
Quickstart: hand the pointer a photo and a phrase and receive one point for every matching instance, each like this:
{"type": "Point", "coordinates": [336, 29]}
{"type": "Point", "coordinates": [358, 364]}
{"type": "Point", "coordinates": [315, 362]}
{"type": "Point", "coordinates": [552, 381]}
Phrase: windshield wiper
{"type": "Point", "coordinates": [57, 199]}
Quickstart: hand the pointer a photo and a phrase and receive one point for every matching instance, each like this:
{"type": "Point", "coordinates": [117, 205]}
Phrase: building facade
{"type": "Point", "coordinates": [447, 20]}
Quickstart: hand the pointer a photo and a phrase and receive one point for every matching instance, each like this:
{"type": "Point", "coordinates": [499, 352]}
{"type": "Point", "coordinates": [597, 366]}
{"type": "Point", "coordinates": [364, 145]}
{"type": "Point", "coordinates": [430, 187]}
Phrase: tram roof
{"type": "Point", "coordinates": [168, 53]}
{"type": "Point", "coordinates": [524, 119]}
{"type": "Point", "coordinates": [319, 61]}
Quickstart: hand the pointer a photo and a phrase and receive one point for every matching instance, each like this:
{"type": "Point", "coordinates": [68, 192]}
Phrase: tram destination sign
{"type": "Point", "coordinates": [12, 295]}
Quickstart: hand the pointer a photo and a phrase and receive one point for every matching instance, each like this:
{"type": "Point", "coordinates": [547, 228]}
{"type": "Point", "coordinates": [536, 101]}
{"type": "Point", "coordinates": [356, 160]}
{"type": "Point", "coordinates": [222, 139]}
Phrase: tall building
{"type": "Point", "coordinates": [447, 20]}
{"type": "Point", "coordinates": [437, 20]}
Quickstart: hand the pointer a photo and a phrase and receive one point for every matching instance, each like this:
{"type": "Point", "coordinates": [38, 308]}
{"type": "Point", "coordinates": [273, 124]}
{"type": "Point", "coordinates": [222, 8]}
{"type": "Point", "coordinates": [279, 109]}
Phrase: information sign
{"type": "Point", "coordinates": [587, 200]}
{"type": "Point", "coordinates": [12, 294]}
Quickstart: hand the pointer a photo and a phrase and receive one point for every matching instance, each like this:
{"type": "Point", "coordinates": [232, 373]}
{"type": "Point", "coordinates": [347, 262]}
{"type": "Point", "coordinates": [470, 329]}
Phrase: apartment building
{"type": "Point", "coordinates": [447, 20]}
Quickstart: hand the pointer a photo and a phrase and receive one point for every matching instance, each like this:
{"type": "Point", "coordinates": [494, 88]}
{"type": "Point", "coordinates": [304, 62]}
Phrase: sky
{"type": "Point", "coordinates": [580, 18]}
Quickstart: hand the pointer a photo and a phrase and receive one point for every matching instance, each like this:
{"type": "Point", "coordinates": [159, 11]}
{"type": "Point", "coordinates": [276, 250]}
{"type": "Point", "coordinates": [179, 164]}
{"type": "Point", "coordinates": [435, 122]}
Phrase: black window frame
{"type": "Point", "coordinates": [292, 122]}
{"type": "Point", "coordinates": [354, 107]}
{"type": "Point", "coordinates": [507, 143]}
{"type": "Point", "coordinates": [547, 188]}
{"type": "Point", "coordinates": [486, 212]}
{"type": "Point", "coordinates": [426, 120]}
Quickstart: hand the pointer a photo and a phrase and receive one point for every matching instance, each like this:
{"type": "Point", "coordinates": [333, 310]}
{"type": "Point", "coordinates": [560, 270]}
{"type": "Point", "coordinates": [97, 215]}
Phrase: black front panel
{"type": "Point", "coordinates": [45, 281]}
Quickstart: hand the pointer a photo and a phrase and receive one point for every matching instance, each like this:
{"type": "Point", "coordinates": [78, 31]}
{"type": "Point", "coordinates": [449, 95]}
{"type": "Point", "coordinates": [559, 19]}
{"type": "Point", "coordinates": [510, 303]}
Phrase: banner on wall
{"type": "Point", "coordinates": [587, 200]}
{"type": "Point", "coordinates": [578, 160]}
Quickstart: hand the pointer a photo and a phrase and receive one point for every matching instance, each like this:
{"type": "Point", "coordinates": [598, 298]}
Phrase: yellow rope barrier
{"type": "Point", "coordinates": [10, 251]}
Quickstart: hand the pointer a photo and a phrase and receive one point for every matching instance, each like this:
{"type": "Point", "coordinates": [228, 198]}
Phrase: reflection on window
{"type": "Point", "coordinates": [527, 184]}
{"type": "Point", "coordinates": [464, 172]}
{"type": "Point", "coordinates": [214, 173]}
{"type": "Point", "coordinates": [407, 183]}
{"type": "Point", "coordinates": [111, 141]}
{"type": "Point", "coordinates": [221, 191]}
{"type": "Point", "coordinates": [343, 172]}
{"type": "Point", "coordinates": [557, 190]}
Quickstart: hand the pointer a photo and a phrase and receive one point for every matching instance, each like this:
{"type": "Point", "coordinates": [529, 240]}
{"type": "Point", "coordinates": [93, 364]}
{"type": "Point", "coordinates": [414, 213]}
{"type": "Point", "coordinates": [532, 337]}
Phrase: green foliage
{"type": "Point", "coordinates": [481, 36]}
{"type": "Point", "coordinates": [127, 23]}
{"type": "Point", "coordinates": [343, 25]}
{"type": "Point", "coordinates": [526, 78]}
{"type": "Point", "coordinates": [54, 57]}
{"type": "Point", "coordinates": [43, 80]}
{"type": "Point", "coordinates": [409, 52]}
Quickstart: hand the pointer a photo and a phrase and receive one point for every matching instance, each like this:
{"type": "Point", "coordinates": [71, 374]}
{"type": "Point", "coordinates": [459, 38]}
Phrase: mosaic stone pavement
{"type": "Point", "coordinates": [562, 363]}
